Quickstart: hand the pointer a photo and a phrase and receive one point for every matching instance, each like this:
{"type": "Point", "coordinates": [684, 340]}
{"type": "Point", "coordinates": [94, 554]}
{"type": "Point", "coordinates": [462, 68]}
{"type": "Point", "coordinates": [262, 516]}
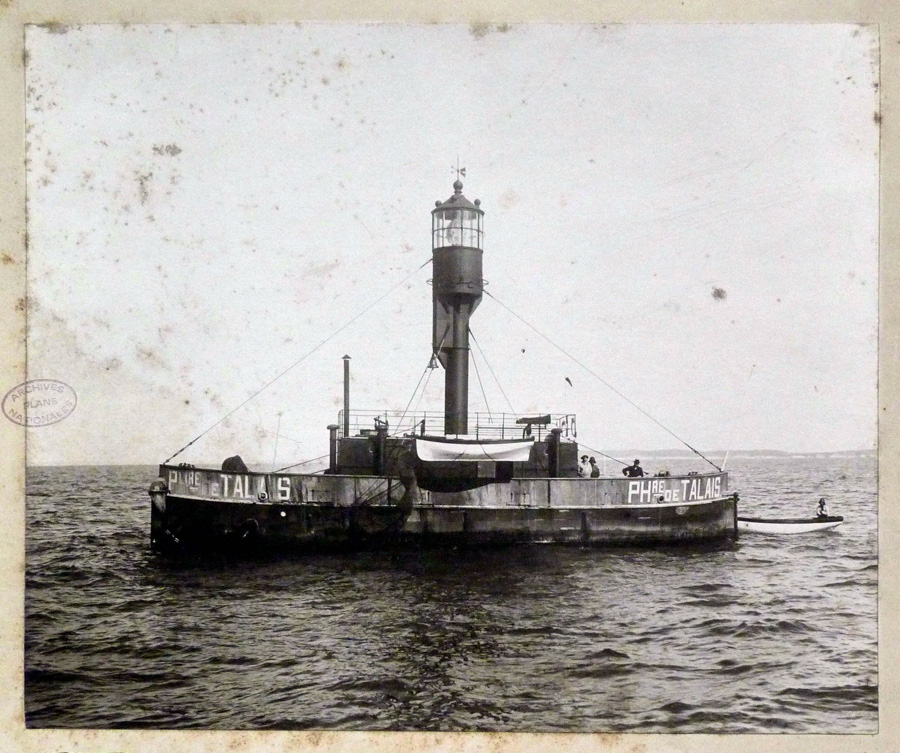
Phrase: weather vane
{"type": "Point", "coordinates": [460, 171]}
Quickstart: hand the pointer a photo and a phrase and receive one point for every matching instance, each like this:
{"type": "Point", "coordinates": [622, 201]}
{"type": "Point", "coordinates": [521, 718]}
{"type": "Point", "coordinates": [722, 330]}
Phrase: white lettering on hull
{"type": "Point", "coordinates": [647, 491]}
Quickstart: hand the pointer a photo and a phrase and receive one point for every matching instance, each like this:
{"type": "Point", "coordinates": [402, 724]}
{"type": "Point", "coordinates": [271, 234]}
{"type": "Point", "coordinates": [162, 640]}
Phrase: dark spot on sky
{"type": "Point", "coordinates": [719, 294]}
{"type": "Point", "coordinates": [170, 149]}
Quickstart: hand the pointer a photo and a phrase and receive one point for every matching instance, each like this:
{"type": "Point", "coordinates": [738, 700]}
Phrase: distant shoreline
{"type": "Point", "coordinates": [673, 454]}
{"type": "Point", "coordinates": [679, 453]}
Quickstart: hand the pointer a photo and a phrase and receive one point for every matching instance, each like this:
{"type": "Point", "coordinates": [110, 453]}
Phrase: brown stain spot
{"type": "Point", "coordinates": [213, 398]}
{"type": "Point", "coordinates": [508, 199]}
{"type": "Point", "coordinates": [54, 27]}
{"type": "Point", "coordinates": [150, 357]}
{"type": "Point", "coordinates": [143, 180]}
{"type": "Point", "coordinates": [7, 259]}
{"type": "Point", "coordinates": [719, 294]}
{"type": "Point", "coordinates": [877, 118]}
{"type": "Point", "coordinates": [480, 29]}
{"type": "Point", "coordinates": [342, 63]}
{"type": "Point", "coordinates": [20, 304]}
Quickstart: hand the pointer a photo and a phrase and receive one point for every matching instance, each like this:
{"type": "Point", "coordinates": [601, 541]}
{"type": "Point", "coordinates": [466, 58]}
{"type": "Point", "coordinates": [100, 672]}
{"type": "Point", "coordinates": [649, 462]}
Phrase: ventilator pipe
{"type": "Point", "coordinates": [332, 447]}
{"type": "Point", "coordinates": [553, 451]}
{"type": "Point", "coordinates": [380, 459]}
{"type": "Point", "coordinates": [346, 396]}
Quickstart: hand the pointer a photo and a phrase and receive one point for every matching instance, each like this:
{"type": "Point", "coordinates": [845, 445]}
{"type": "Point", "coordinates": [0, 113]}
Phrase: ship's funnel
{"type": "Point", "coordinates": [456, 235]}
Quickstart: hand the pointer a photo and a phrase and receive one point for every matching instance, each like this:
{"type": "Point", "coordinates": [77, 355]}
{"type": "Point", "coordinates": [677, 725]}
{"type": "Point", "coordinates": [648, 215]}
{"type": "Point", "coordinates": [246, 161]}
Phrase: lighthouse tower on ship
{"type": "Point", "coordinates": [456, 237]}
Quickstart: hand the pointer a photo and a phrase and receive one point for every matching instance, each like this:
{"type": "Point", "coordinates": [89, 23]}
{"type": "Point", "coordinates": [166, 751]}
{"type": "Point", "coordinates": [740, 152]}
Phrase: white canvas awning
{"type": "Point", "coordinates": [469, 450]}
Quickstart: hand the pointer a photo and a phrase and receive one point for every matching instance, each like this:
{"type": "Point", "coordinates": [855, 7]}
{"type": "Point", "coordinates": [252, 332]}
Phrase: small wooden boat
{"type": "Point", "coordinates": [789, 525]}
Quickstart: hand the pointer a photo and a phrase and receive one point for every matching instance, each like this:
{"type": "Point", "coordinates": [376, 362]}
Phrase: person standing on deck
{"type": "Point", "coordinates": [584, 468]}
{"type": "Point", "coordinates": [633, 471]}
{"type": "Point", "coordinates": [595, 471]}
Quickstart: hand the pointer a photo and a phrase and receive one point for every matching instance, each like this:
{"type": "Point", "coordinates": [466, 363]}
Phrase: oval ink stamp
{"type": "Point", "coordinates": [39, 402]}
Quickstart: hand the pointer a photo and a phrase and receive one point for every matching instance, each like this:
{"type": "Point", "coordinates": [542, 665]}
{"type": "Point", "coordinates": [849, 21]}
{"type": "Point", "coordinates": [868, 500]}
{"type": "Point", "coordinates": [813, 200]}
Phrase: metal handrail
{"type": "Point", "coordinates": [486, 425]}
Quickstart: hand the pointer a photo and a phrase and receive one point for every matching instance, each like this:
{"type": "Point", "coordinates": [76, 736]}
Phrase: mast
{"type": "Point", "coordinates": [456, 236]}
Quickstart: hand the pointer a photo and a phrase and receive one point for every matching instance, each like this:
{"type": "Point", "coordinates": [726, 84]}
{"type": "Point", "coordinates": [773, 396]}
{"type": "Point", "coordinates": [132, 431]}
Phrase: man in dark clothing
{"type": "Point", "coordinates": [633, 471]}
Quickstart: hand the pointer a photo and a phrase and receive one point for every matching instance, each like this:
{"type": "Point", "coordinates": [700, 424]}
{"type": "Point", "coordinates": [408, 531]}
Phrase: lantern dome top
{"type": "Point", "coordinates": [457, 201]}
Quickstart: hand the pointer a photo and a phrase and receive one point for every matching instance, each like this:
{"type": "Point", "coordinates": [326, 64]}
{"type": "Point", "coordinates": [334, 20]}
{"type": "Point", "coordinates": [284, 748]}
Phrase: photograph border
{"type": "Point", "coordinates": [14, 16]}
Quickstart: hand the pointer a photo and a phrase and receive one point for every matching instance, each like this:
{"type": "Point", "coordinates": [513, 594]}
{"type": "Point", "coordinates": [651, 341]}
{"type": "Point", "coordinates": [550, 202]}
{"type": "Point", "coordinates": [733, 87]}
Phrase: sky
{"type": "Point", "coordinates": [691, 211]}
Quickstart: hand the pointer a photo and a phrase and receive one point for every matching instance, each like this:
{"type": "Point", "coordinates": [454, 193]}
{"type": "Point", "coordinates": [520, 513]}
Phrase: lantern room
{"type": "Point", "coordinates": [457, 221]}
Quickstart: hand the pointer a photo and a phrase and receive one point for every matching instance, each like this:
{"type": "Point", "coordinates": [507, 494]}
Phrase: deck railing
{"type": "Point", "coordinates": [481, 425]}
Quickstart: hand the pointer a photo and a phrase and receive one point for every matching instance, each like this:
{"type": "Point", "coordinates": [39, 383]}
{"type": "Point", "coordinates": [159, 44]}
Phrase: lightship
{"type": "Point", "coordinates": [451, 478]}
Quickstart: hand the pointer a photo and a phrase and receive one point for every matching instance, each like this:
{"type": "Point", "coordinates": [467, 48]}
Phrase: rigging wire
{"type": "Point", "coordinates": [303, 462]}
{"type": "Point", "coordinates": [428, 371]}
{"type": "Point", "coordinates": [412, 397]}
{"type": "Point", "coordinates": [488, 364]}
{"type": "Point", "coordinates": [742, 409]}
{"type": "Point", "coordinates": [300, 360]}
{"type": "Point", "coordinates": [481, 384]}
{"type": "Point", "coordinates": [424, 387]}
{"type": "Point", "coordinates": [602, 454]}
{"type": "Point", "coordinates": [601, 379]}
{"type": "Point", "coordinates": [275, 451]}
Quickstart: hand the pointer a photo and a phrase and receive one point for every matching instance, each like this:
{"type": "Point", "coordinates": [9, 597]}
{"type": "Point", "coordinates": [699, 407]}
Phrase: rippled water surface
{"type": "Point", "coordinates": [772, 633]}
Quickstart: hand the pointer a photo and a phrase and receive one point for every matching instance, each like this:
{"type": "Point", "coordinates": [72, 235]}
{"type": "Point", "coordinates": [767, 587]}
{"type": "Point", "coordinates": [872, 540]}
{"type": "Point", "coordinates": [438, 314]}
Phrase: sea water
{"type": "Point", "coordinates": [768, 634]}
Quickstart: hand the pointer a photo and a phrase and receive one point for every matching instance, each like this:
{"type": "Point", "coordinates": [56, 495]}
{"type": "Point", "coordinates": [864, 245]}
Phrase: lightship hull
{"type": "Point", "coordinates": [321, 512]}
